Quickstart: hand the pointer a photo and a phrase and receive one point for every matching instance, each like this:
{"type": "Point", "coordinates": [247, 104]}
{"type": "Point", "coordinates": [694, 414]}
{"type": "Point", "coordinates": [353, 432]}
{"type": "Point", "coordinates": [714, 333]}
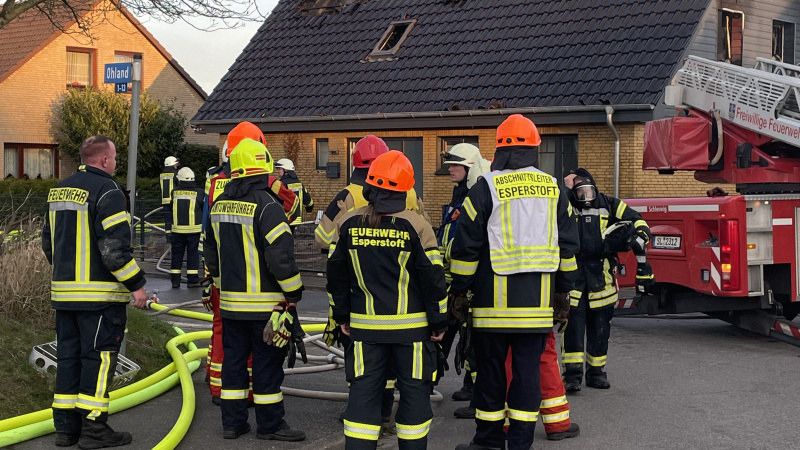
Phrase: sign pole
{"type": "Point", "coordinates": [133, 135]}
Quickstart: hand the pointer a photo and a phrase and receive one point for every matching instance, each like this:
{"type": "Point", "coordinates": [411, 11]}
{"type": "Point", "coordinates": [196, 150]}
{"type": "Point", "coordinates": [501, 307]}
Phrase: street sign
{"type": "Point", "coordinates": [118, 73]}
{"type": "Point", "coordinates": [121, 88]}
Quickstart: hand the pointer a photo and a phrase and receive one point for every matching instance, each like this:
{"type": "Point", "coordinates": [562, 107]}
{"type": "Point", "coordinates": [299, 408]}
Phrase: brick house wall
{"type": "Point", "coordinates": [27, 96]}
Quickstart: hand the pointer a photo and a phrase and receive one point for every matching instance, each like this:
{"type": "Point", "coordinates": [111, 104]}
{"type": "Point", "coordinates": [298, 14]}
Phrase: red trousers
{"type": "Point", "coordinates": [216, 354]}
{"type": "Point", "coordinates": [554, 408]}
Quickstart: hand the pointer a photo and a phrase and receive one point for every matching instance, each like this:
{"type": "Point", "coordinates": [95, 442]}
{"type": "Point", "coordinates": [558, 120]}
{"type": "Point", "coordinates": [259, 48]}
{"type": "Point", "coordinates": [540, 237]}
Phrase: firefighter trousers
{"type": "Point", "coordinates": [387, 401]}
{"type": "Point", "coordinates": [88, 345]}
{"type": "Point", "coordinates": [185, 243]}
{"type": "Point", "coordinates": [415, 366]}
{"type": "Point", "coordinates": [592, 325]}
{"type": "Point", "coordinates": [240, 338]}
{"type": "Point", "coordinates": [491, 387]}
{"type": "Point", "coordinates": [216, 353]}
{"type": "Point", "coordinates": [166, 212]}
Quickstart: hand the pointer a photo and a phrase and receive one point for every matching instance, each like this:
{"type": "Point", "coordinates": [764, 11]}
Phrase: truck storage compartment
{"type": "Point", "coordinates": [677, 143]}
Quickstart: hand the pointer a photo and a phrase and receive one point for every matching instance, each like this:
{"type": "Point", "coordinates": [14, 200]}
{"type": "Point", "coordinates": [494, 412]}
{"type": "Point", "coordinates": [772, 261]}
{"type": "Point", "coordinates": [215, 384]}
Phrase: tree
{"type": "Point", "coordinates": [81, 113]}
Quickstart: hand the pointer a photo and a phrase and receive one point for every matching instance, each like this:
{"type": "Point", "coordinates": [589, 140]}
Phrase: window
{"type": "Point", "coordinates": [783, 41]}
{"type": "Point", "coordinates": [79, 69]}
{"type": "Point", "coordinates": [446, 143]}
{"type": "Point", "coordinates": [730, 36]}
{"type": "Point", "coordinates": [411, 147]}
{"type": "Point", "coordinates": [391, 40]}
{"type": "Point", "coordinates": [322, 154]}
{"type": "Point", "coordinates": [33, 160]}
{"type": "Point", "coordinates": [558, 155]}
{"type": "Point", "coordinates": [124, 57]}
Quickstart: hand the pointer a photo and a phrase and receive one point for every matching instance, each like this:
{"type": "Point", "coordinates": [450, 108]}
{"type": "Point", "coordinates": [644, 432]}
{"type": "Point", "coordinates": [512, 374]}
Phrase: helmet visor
{"type": "Point", "coordinates": [452, 158]}
{"type": "Point", "coordinates": [584, 193]}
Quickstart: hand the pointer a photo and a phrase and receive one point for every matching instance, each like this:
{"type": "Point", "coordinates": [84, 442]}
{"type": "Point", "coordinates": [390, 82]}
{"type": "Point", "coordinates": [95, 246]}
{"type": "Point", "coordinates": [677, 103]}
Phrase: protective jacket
{"type": "Point", "coordinates": [87, 239]}
{"type": "Point", "coordinates": [447, 230]}
{"type": "Point", "coordinates": [515, 245]}
{"type": "Point", "coordinates": [387, 282]}
{"type": "Point", "coordinates": [259, 270]}
{"type": "Point", "coordinates": [291, 181]}
{"type": "Point", "coordinates": [167, 179]}
{"type": "Point", "coordinates": [187, 208]}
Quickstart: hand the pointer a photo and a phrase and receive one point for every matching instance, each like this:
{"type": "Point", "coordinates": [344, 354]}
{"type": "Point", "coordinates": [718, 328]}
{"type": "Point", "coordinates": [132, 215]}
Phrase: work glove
{"type": "Point", "coordinates": [296, 343]}
{"type": "Point", "coordinates": [332, 334]}
{"type": "Point", "coordinates": [463, 347]}
{"type": "Point", "coordinates": [644, 274]}
{"type": "Point", "coordinates": [279, 326]}
{"type": "Point", "coordinates": [208, 285]}
{"type": "Point", "coordinates": [561, 309]}
{"type": "Point", "coordinates": [459, 307]}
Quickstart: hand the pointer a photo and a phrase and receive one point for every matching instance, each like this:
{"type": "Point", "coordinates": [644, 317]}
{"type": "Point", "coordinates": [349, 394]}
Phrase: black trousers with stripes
{"type": "Point", "coordinates": [185, 243]}
{"type": "Point", "coordinates": [388, 394]}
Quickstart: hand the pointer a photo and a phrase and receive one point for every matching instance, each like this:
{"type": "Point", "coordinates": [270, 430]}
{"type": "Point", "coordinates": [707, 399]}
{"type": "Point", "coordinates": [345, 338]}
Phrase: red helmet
{"type": "Point", "coordinates": [367, 149]}
{"type": "Point", "coordinates": [245, 130]}
{"type": "Point", "coordinates": [517, 130]}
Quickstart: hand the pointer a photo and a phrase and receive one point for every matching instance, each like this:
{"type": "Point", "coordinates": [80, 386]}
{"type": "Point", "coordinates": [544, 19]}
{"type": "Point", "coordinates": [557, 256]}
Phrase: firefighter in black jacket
{"type": "Point", "coordinates": [87, 238]}
{"type": "Point", "coordinates": [167, 180]}
{"type": "Point", "coordinates": [187, 222]}
{"type": "Point", "coordinates": [387, 283]}
{"type": "Point", "coordinates": [288, 177]}
{"type": "Point", "coordinates": [259, 286]}
{"type": "Point", "coordinates": [514, 248]}
{"type": "Point", "coordinates": [592, 301]}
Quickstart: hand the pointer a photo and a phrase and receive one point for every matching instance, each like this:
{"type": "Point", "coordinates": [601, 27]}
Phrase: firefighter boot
{"type": "Point", "coordinates": [68, 427]}
{"type": "Point", "coordinates": [572, 385]}
{"type": "Point", "coordinates": [465, 393]}
{"type": "Point", "coordinates": [285, 433]}
{"type": "Point", "coordinates": [597, 379]}
{"type": "Point", "coordinates": [573, 431]}
{"type": "Point", "coordinates": [465, 412]}
{"type": "Point", "coordinates": [100, 435]}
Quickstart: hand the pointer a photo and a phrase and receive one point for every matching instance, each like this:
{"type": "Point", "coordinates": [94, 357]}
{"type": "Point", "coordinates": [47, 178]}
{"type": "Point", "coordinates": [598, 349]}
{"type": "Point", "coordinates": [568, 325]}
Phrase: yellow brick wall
{"type": "Point", "coordinates": [27, 95]}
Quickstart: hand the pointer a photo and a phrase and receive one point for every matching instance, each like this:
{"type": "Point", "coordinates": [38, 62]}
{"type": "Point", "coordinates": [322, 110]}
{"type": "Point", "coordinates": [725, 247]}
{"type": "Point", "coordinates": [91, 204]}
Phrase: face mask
{"type": "Point", "coordinates": [584, 193]}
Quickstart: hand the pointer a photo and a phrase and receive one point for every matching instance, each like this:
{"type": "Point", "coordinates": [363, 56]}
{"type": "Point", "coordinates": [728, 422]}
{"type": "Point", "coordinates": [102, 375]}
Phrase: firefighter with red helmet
{"type": "Point", "coordinates": [514, 249]}
{"type": "Point", "coordinates": [387, 283]}
{"type": "Point", "coordinates": [596, 292]}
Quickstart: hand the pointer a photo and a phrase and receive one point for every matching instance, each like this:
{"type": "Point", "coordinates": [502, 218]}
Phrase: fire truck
{"type": "Point", "coordinates": [732, 256]}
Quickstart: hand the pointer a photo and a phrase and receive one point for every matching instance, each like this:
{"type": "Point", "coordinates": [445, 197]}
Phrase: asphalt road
{"type": "Point", "coordinates": [677, 383]}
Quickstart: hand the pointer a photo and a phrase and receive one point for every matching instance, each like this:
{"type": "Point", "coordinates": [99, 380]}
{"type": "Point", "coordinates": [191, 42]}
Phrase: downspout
{"type": "Point", "coordinates": [609, 121]}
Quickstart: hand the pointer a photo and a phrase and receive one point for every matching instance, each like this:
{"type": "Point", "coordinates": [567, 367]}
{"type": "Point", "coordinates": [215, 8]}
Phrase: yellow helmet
{"type": "Point", "coordinates": [250, 158]}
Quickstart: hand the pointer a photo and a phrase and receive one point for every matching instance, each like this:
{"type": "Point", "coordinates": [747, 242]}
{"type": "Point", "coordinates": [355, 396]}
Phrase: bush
{"type": "Point", "coordinates": [24, 271]}
{"type": "Point", "coordinates": [199, 158]}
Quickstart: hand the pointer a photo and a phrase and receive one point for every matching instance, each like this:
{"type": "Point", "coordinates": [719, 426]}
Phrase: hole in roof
{"type": "Point", "coordinates": [391, 40]}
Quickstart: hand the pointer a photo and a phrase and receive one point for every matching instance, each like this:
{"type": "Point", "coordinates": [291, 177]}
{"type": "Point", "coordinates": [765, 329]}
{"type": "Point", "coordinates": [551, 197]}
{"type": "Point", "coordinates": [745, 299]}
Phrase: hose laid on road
{"type": "Point", "coordinates": [307, 327]}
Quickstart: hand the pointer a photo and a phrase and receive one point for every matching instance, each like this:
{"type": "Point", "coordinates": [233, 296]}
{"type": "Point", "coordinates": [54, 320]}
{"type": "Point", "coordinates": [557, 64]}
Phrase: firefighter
{"type": "Point", "coordinates": [288, 177]}
{"type": "Point", "coordinates": [459, 161]}
{"type": "Point", "coordinates": [87, 239]}
{"type": "Point", "coordinates": [387, 283]}
{"type": "Point", "coordinates": [216, 179]}
{"type": "Point", "coordinates": [259, 287]}
{"type": "Point", "coordinates": [592, 301]}
{"type": "Point", "coordinates": [187, 215]}
{"type": "Point", "coordinates": [167, 180]}
{"type": "Point", "coordinates": [514, 249]}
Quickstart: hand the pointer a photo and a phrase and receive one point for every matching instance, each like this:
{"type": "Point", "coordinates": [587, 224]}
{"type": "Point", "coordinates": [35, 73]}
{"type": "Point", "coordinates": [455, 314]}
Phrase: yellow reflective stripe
{"type": "Point", "coordinates": [402, 282]}
{"type": "Point", "coordinates": [390, 384]}
{"type": "Point", "coordinates": [524, 416]}
{"type": "Point", "coordinates": [114, 219]}
{"type": "Point", "coordinates": [413, 431]}
{"type": "Point", "coordinates": [252, 264]}
{"type": "Point", "coordinates": [572, 358]}
{"type": "Point", "coordinates": [620, 210]}
{"type": "Point", "coordinates": [95, 405]}
{"type": "Point", "coordinates": [358, 353]}
{"type": "Point", "coordinates": [90, 286]}
{"type": "Point", "coordinates": [435, 256]}
{"type": "Point", "coordinates": [325, 237]}
{"type": "Point", "coordinates": [176, 271]}
{"type": "Point", "coordinates": [361, 430]}
{"type": "Point", "coordinates": [191, 272]}
{"type": "Point", "coordinates": [360, 278]}
{"type": "Point", "coordinates": [500, 291]}
{"type": "Point", "coordinates": [291, 284]}
{"type": "Point", "coordinates": [127, 271]}
{"type": "Point", "coordinates": [215, 381]}
{"type": "Point", "coordinates": [416, 367]}
{"type": "Point", "coordinates": [82, 246]}
{"type": "Point", "coordinates": [568, 264]}
{"type": "Point", "coordinates": [331, 249]}
{"type": "Point", "coordinates": [469, 208]}
{"type": "Point", "coordinates": [603, 302]}
{"type": "Point", "coordinates": [52, 215]}
{"type": "Point", "coordinates": [243, 306]}
{"type": "Point", "coordinates": [388, 321]}
{"type": "Point", "coordinates": [553, 402]}
{"type": "Point", "coordinates": [443, 305]}
{"type": "Point", "coordinates": [458, 267]}
{"type": "Point", "coordinates": [556, 417]}
{"type": "Point", "coordinates": [216, 366]}
{"type": "Point", "coordinates": [596, 361]}
{"type": "Point", "coordinates": [256, 297]}
{"type": "Point", "coordinates": [187, 229]}
{"type": "Point", "coordinates": [575, 298]}
{"type": "Point", "coordinates": [90, 296]}
{"type": "Point", "coordinates": [639, 223]}
{"type": "Point", "coordinates": [508, 322]}
{"type": "Point", "coordinates": [277, 231]}
{"type": "Point", "coordinates": [505, 219]}
{"type": "Point", "coordinates": [544, 290]}
{"type": "Point", "coordinates": [234, 394]}
{"type": "Point", "coordinates": [511, 312]}
{"type": "Point", "coordinates": [267, 399]}
{"type": "Point", "coordinates": [64, 401]}
{"type": "Point", "coordinates": [490, 416]}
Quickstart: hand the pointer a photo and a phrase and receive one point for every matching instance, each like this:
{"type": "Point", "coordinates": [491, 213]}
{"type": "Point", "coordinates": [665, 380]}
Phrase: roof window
{"type": "Point", "coordinates": [391, 40]}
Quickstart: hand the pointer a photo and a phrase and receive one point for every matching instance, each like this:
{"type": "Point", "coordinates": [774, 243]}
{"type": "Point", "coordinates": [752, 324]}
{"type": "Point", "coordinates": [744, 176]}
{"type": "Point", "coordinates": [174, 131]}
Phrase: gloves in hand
{"type": "Point", "coordinates": [463, 347]}
{"type": "Point", "coordinates": [296, 344]}
{"type": "Point", "coordinates": [279, 326]}
{"type": "Point", "coordinates": [459, 307]}
{"type": "Point", "coordinates": [332, 334]}
{"type": "Point", "coordinates": [208, 285]}
{"type": "Point", "coordinates": [560, 306]}
{"type": "Point", "coordinates": [644, 274]}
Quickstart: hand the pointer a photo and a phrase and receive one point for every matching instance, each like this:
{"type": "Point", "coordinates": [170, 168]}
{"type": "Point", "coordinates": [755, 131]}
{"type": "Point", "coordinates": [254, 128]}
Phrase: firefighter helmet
{"type": "Point", "coordinates": [391, 171]}
{"type": "Point", "coordinates": [617, 238]}
{"type": "Point", "coordinates": [518, 130]}
{"type": "Point", "coordinates": [245, 130]}
{"type": "Point", "coordinates": [285, 164]}
{"type": "Point", "coordinates": [185, 174]}
{"type": "Point", "coordinates": [225, 152]}
{"type": "Point", "coordinates": [170, 161]}
{"type": "Point", "coordinates": [481, 167]}
{"type": "Point", "coordinates": [462, 154]}
{"type": "Point", "coordinates": [250, 158]}
{"type": "Point", "coordinates": [367, 149]}
{"type": "Point", "coordinates": [584, 188]}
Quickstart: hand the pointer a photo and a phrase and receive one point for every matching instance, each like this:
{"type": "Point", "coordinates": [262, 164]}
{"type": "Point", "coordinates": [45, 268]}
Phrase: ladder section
{"type": "Point", "coordinates": [761, 101]}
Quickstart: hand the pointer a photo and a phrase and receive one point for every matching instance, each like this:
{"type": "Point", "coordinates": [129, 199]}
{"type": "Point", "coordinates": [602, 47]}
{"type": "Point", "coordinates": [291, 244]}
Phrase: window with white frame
{"type": "Point", "coordinates": [79, 69]}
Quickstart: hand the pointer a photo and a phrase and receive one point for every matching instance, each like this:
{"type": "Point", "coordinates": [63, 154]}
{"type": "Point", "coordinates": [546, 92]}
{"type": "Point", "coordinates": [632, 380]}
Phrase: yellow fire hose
{"type": "Point", "coordinates": [307, 327]}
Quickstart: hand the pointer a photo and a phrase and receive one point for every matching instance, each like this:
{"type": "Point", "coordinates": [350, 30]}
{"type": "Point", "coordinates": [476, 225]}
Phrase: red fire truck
{"type": "Point", "coordinates": [737, 256]}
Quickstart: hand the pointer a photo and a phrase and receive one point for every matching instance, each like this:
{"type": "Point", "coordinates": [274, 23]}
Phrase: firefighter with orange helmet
{"type": "Point", "coordinates": [515, 250]}
{"type": "Point", "coordinates": [387, 283]}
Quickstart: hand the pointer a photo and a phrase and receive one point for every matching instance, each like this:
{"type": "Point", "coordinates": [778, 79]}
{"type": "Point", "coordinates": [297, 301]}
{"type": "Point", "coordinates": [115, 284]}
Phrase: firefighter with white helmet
{"type": "Point", "coordinates": [288, 177]}
{"type": "Point", "coordinates": [167, 180]}
{"type": "Point", "coordinates": [186, 207]}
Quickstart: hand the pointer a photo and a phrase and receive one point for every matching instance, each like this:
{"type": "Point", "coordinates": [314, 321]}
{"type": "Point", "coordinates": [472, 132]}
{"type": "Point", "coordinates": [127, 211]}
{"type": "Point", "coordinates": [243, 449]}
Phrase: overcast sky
{"type": "Point", "coordinates": [206, 55]}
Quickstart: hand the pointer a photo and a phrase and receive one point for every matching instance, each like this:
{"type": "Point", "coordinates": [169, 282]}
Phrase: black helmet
{"type": "Point", "coordinates": [617, 238]}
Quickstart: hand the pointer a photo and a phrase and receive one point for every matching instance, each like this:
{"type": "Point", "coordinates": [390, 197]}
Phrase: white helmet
{"type": "Point", "coordinates": [225, 151]}
{"type": "Point", "coordinates": [185, 174]}
{"type": "Point", "coordinates": [285, 164]}
{"type": "Point", "coordinates": [170, 161]}
{"type": "Point", "coordinates": [479, 168]}
{"type": "Point", "coordinates": [463, 154]}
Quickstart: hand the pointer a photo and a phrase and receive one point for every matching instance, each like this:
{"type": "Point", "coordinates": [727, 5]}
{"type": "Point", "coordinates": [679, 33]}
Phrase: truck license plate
{"type": "Point", "coordinates": [667, 242]}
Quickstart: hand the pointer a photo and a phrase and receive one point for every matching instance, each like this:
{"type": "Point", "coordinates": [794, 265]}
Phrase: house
{"type": "Point", "coordinates": [425, 75]}
{"type": "Point", "coordinates": [39, 62]}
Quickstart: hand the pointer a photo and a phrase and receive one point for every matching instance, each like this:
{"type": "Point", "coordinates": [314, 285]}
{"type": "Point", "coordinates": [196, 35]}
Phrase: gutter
{"type": "Point", "coordinates": [610, 122]}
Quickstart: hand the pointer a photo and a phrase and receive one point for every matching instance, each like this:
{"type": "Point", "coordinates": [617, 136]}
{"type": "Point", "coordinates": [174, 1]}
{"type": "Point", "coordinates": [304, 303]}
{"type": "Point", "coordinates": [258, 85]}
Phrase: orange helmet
{"type": "Point", "coordinates": [367, 149]}
{"type": "Point", "coordinates": [391, 171]}
{"type": "Point", "coordinates": [518, 130]}
{"type": "Point", "coordinates": [245, 130]}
